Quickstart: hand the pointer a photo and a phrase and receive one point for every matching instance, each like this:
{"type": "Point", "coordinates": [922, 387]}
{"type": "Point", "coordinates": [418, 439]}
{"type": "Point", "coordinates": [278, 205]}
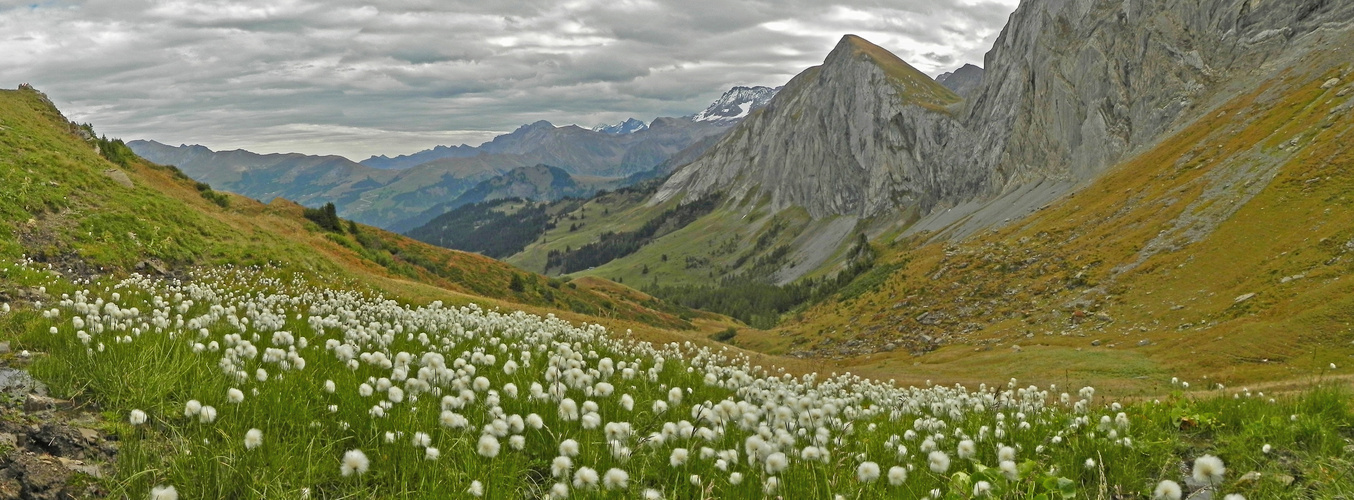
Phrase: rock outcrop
{"type": "Point", "coordinates": [1070, 88]}
{"type": "Point", "coordinates": [843, 138]}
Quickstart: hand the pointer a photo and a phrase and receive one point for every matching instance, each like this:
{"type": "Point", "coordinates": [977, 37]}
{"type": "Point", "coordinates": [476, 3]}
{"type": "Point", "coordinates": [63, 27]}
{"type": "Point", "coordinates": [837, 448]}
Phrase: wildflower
{"type": "Point", "coordinates": [138, 417]}
{"type": "Point", "coordinates": [938, 461]}
{"type": "Point", "coordinates": [678, 457]}
{"type": "Point", "coordinates": [967, 449]}
{"type": "Point", "coordinates": [1090, 463]}
{"type": "Point", "coordinates": [261, 375]}
{"type": "Point", "coordinates": [431, 453]}
{"type": "Point", "coordinates": [207, 415]}
{"type": "Point", "coordinates": [1234, 496]}
{"type": "Point", "coordinates": [476, 488]}
{"type": "Point", "coordinates": [364, 390]}
{"type": "Point", "coordinates": [1208, 469]}
{"type": "Point", "coordinates": [1008, 469]}
{"type": "Point", "coordinates": [192, 408]}
{"type": "Point", "coordinates": [897, 475]}
{"type": "Point", "coordinates": [395, 394]}
{"type": "Point", "coordinates": [736, 478]}
{"type": "Point", "coordinates": [517, 442]}
{"type": "Point", "coordinates": [652, 494]}
{"type": "Point", "coordinates": [694, 479]}
{"type": "Point", "coordinates": [329, 386]}
{"type": "Point", "coordinates": [616, 479]}
{"type": "Point", "coordinates": [559, 490]}
{"type": "Point", "coordinates": [560, 466]}
{"type": "Point", "coordinates": [164, 493]}
{"type": "Point", "coordinates": [776, 463]}
{"type": "Point", "coordinates": [1266, 448]}
{"type": "Point", "coordinates": [982, 489]}
{"type": "Point", "coordinates": [354, 461]}
{"type": "Point", "coordinates": [769, 487]}
{"type": "Point", "coordinates": [568, 448]}
{"type": "Point", "coordinates": [234, 395]}
{"type": "Point", "coordinates": [868, 472]}
{"type": "Point", "coordinates": [421, 440]}
{"type": "Point", "coordinates": [253, 439]}
{"type": "Point", "coordinates": [488, 446]}
{"type": "Point", "coordinates": [1167, 490]}
{"type": "Point", "coordinates": [534, 421]}
{"type": "Point", "coordinates": [585, 478]}
{"type": "Point", "coordinates": [1006, 453]}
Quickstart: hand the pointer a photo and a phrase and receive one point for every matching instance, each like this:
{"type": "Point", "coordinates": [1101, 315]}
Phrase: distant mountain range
{"type": "Point", "coordinates": [629, 126]}
{"type": "Point", "coordinates": [399, 192]}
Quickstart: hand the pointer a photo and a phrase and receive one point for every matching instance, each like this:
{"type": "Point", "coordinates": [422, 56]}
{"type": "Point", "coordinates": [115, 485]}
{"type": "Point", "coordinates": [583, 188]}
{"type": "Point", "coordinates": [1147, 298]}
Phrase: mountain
{"type": "Point", "coordinates": [628, 126]}
{"type": "Point", "coordinates": [407, 191]}
{"type": "Point", "coordinates": [736, 104]}
{"type": "Point", "coordinates": [154, 220]}
{"type": "Point", "coordinates": [837, 140]}
{"type": "Point", "coordinates": [421, 157]}
{"type": "Point", "coordinates": [362, 193]}
{"type": "Point", "coordinates": [537, 183]}
{"type": "Point", "coordinates": [1166, 164]}
{"type": "Point", "coordinates": [963, 81]}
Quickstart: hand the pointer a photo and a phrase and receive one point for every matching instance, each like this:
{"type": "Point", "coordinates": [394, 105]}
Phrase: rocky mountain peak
{"type": "Point", "coordinates": [737, 103]}
{"type": "Point", "coordinates": [964, 81]}
{"type": "Point", "coordinates": [842, 138]}
{"type": "Point", "coordinates": [629, 126]}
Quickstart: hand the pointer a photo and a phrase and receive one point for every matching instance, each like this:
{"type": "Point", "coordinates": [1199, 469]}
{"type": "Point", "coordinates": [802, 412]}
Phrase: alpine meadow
{"type": "Point", "coordinates": [1067, 249]}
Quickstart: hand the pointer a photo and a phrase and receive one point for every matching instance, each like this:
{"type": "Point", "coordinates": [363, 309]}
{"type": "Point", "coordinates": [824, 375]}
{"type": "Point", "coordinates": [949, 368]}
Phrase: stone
{"type": "Point", "coordinates": [1242, 298]}
{"type": "Point", "coordinates": [36, 402]}
{"type": "Point", "coordinates": [1330, 83]}
{"type": "Point", "coordinates": [1144, 343]}
{"type": "Point", "coordinates": [1095, 343]}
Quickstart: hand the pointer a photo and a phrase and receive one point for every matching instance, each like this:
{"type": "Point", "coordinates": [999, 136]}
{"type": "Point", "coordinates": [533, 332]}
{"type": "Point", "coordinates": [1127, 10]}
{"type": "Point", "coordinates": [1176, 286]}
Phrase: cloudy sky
{"type": "Point", "coordinates": [394, 77]}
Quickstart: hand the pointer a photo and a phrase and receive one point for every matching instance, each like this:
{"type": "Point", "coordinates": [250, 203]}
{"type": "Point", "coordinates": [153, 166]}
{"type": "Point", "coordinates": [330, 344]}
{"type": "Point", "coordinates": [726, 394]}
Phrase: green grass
{"type": "Point", "coordinates": [1309, 432]}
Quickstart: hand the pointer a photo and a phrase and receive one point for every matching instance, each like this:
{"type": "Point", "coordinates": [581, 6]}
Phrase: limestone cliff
{"type": "Point", "coordinates": [843, 138]}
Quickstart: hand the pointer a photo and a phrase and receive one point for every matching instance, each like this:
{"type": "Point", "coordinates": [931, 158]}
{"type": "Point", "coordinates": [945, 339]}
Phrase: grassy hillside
{"type": "Point", "coordinates": [69, 206]}
{"type": "Point", "coordinates": [1223, 252]}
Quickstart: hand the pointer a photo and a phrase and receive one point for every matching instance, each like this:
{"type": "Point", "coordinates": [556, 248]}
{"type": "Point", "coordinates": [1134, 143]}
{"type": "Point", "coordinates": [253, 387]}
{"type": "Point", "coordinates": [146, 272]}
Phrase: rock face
{"type": "Point", "coordinates": [964, 81]}
{"type": "Point", "coordinates": [628, 126]}
{"type": "Point", "coordinates": [843, 138]}
{"type": "Point", "coordinates": [1071, 87]}
{"type": "Point", "coordinates": [736, 104]}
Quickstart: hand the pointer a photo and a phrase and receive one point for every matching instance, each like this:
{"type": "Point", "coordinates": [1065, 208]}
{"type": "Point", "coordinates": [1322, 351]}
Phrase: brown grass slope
{"type": "Point", "coordinates": [1223, 252]}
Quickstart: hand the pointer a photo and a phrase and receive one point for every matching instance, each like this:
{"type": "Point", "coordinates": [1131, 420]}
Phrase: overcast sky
{"type": "Point", "coordinates": [357, 79]}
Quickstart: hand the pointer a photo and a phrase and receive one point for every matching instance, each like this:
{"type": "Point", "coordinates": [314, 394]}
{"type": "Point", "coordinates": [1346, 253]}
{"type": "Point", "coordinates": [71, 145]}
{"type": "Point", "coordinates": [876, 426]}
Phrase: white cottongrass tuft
{"type": "Point", "coordinates": [354, 462]}
{"type": "Point", "coordinates": [678, 457]}
{"type": "Point", "coordinates": [652, 494]}
{"type": "Point", "coordinates": [897, 475]}
{"type": "Point", "coordinates": [1167, 490]}
{"type": "Point", "coordinates": [776, 463]}
{"type": "Point", "coordinates": [736, 478]}
{"type": "Point", "coordinates": [253, 439]}
{"type": "Point", "coordinates": [616, 479]}
{"type": "Point", "coordinates": [585, 478]}
{"type": "Point", "coordinates": [1008, 468]}
{"type": "Point", "coordinates": [138, 417]}
{"type": "Point", "coordinates": [164, 493]}
{"type": "Point", "coordinates": [568, 448]}
{"type": "Point", "coordinates": [431, 454]}
{"type": "Point", "coordinates": [868, 472]}
{"type": "Point", "coordinates": [476, 488]}
{"type": "Point", "coordinates": [192, 408]}
{"type": "Point", "coordinates": [1208, 469]}
{"type": "Point", "coordinates": [982, 489]}
{"type": "Point", "coordinates": [967, 449]}
{"type": "Point", "coordinates": [488, 446]}
{"type": "Point", "coordinates": [207, 415]}
{"type": "Point", "coordinates": [938, 461]}
{"type": "Point", "coordinates": [1234, 496]}
{"type": "Point", "coordinates": [234, 395]}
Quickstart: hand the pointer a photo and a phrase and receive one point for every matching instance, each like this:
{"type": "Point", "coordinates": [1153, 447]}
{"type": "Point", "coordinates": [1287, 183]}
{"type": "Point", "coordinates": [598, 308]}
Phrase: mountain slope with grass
{"type": "Point", "coordinates": [90, 206]}
{"type": "Point", "coordinates": [1224, 251]}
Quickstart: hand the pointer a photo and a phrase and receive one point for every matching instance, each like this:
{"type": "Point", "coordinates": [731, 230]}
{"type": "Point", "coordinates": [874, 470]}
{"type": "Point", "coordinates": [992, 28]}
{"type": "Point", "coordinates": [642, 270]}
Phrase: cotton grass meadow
{"type": "Point", "coordinates": [242, 384]}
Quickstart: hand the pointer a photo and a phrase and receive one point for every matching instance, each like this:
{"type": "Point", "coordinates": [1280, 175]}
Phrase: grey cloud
{"type": "Point", "coordinates": [386, 77]}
